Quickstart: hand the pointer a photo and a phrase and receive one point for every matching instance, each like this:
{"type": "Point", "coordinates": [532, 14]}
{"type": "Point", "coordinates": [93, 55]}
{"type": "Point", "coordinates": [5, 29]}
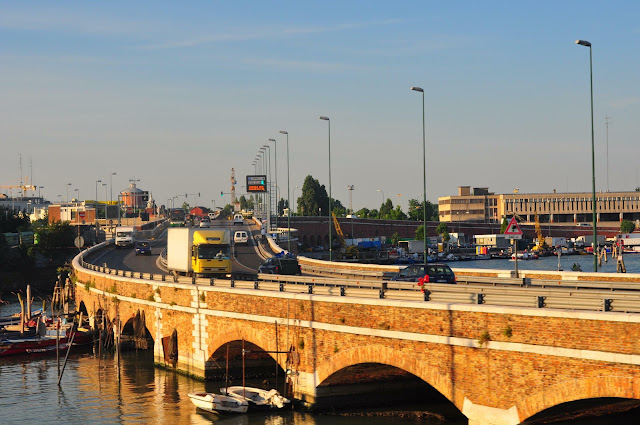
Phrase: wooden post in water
{"type": "Point", "coordinates": [277, 355]}
{"type": "Point", "coordinates": [28, 302]}
{"type": "Point", "coordinates": [21, 314]}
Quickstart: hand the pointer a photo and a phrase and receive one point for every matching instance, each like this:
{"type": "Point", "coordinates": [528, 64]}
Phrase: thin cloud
{"type": "Point", "coordinates": [267, 33]}
{"type": "Point", "coordinates": [305, 66]}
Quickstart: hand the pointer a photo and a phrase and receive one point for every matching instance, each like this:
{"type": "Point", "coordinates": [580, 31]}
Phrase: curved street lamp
{"type": "Point", "coordinates": [330, 244]}
{"type": "Point", "coordinates": [288, 200]}
{"type": "Point", "coordinates": [593, 160]}
{"type": "Point", "coordinates": [424, 174]}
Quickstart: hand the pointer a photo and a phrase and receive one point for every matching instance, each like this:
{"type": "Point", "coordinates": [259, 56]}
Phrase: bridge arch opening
{"type": "Point", "coordinates": [238, 360]}
{"type": "Point", "coordinates": [584, 398]}
{"type": "Point", "coordinates": [135, 335]}
{"type": "Point", "coordinates": [616, 410]}
{"type": "Point", "coordinates": [377, 385]}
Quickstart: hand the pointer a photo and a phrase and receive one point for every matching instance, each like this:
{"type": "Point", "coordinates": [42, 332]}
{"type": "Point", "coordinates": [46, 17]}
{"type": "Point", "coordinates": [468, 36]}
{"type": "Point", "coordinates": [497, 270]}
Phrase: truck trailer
{"type": "Point", "coordinates": [192, 251]}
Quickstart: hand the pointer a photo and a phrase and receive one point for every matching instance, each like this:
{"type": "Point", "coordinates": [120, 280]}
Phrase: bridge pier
{"type": "Point", "coordinates": [484, 415]}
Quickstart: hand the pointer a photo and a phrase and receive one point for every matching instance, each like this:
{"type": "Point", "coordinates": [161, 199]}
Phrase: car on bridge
{"type": "Point", "coordinates": [143, 247]}
{"type": "Point", "coordinates": [281, 264]}
{"type": "Point", "coordinates": [436, 272]}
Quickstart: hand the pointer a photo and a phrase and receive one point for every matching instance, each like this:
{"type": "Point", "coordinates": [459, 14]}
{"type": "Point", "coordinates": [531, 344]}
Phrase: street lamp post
{"type": "Point", "coordinates": [111, 187]}
{"type": "Point", "coordinates": [269, 184]}
{"type": "Point", "coordinates": [96, 201]}
{"type": "Point", "coordinates": [105, 203]}
{"type": "Point", "coordinates": [593, 159]}
{"type": "Point", "coordinates": [40, 187]}
{"type": "Point", "coordinates": [288, 191]}
{"type": "Point", "coordinates": [381, 193]}
{"type": "Point", "coordinates": [424, 175]}
{"type": "Point", "coordinates": [329, 215]}
{"type": "Point", "coordinates": [294, 198]}
{"type": "Point", "coordinates": [275, 157]}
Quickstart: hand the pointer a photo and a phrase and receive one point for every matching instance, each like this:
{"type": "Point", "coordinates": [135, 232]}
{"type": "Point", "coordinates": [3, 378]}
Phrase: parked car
{"type": "Point", "coordinates": [143, 247]}
{"type": "Point", "coordinates": [205, 222]}
{"type": "Point", "coordinates": [437, 272]}
{"type": "Point", "coordinates": [281, 265]}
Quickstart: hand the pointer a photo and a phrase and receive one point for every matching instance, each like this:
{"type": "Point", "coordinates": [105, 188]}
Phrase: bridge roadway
{"type": "Point", "coordinates": [498, 364]}
{"type": "Point", "coordinates": [246, 258]}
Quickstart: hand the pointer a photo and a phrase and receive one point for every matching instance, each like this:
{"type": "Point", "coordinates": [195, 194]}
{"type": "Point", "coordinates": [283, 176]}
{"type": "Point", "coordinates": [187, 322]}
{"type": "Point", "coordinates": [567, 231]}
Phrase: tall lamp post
{"type": "Point", "coordinates": [111, 187]}
{"type": "Point", "coordinates": [381, 193]}
{"type": "Point", "coordinates": [424, 175]}
{"type": "Point", "coordinates": [269, 183]}
{"type": "Point", "coordinates": [288, 200]}
{"type": "Point", "coordinates": [96, 201]}
{"type": "Point", "coordinates": [593, 160]}
{"type": "Point", "coordinates": [275, 158]}
{"type": "Point", "coordinates": [68, 184]}
{"type": "Point", "coordinates": [294, 198]}
{"type": "Point", "coordinates": [330, 244]}
{"type": "Point", "coordinates": [105, 203]}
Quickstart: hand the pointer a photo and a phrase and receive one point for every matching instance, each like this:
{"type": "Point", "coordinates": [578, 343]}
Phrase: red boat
{"type": "Point", "coordinates": [40, 344]}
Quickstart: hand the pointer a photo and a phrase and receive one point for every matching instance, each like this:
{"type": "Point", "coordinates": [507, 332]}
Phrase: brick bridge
{"type": "Point", "coordinates": [497, 365]}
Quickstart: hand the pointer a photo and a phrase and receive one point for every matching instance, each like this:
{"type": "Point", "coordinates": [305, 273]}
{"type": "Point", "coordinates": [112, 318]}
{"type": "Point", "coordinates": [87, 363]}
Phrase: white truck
{"type": "Point", "coordinates": [587, 240]}
{"type": "Point", "coordinates": [197, 252]}
{"type": "Point", "coordinates": [125, 236]}
{"type": "Point", "coordinates": [629, 239]}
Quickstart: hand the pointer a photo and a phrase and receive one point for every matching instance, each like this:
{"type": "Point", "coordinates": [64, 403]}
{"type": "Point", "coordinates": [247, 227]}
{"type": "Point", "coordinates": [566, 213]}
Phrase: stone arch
{"type": "Point", "coordinates": [325, 240]}
{"type": "Point", "coordinates": [255, 336]}
{"type": "Point", "coordinates": [305, 241]}
{"type": "Point", "coordinates": [579, 389]}
{"type": "Point", "coordinates": [312, 241]}
{"type": "Point", "coordinates": [387, 356]}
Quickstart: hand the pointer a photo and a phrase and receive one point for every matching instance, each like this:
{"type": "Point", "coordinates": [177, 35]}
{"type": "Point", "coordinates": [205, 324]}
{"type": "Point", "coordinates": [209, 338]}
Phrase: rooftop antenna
{"type": "Point", "coordinates": [606, 123]}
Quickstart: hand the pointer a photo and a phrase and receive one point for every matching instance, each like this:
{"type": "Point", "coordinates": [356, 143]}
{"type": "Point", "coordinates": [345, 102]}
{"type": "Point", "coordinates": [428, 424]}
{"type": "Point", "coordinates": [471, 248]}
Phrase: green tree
{"type": "Point", "coordinates": [395, 237]}
{"type": "Point", "coordinates": [503, 225]}
{"type": "Point", "coordinates": [398, 214]}
{"type": "Point", "coordinates": [627, 226]}
{"type": "Point", "coordinates": [314, 199]}
{"type": "Point", "coordinates": [420, 233]}
{"type": "Point", "coordinates": [363, 213]}
{"type": "Point", "coordinates": [386, 209]}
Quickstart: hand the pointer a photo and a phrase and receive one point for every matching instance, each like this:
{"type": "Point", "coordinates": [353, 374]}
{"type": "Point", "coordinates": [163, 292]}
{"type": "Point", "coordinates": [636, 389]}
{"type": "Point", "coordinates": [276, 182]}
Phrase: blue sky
{"type": "Point", "coordinates": [176, 94]}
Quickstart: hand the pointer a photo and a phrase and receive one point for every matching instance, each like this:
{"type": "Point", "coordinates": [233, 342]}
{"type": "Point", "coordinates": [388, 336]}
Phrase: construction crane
{"type": "Point", "coordinates": [540, 245]}
{"type": "Point", "coordinates": [338, 230]}
{"type": "Point", "coordinates": [23, 187]}
{"type": "Point", "coordinates": [347, 251]}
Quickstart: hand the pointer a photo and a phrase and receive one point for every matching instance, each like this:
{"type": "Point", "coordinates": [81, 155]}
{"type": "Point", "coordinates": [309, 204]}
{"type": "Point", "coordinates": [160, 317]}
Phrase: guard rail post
{"type": "Point", "coordinates": [606, 304]}
{"type": "Point", "coordinates": [427, 294]}
{"type": "Point", "coordinates": [480, 298]}
{"type": "Point", "coordinates": [211, 281]}
{"type": "Point", "coordinates": [310, 288]}
{"type": "Point", "coordinates": [540, 301]}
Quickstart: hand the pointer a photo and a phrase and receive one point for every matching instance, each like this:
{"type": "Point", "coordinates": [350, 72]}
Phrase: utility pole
{"type": "Point", "coordinates": [606, 123]}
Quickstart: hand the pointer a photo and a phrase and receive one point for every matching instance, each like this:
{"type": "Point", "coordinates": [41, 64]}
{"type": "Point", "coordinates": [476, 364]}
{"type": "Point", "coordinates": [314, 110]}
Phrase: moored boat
{"type": "Point", "coordinates": [257, 398]}
{"type": "Point", "coordinates": [218, 403]}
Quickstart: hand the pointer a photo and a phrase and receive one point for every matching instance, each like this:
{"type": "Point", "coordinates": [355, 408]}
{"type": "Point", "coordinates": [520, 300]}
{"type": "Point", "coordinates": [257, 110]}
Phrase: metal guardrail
{"type": "Point", "coordinates": [522, 292]}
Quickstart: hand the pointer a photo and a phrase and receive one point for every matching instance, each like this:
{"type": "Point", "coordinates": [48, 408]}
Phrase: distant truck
{"type": "Point", "coordinates": [629, 239]}
{"type": "Point", "coordinates": [412, 246]}
{"type": "Point", "coordinates": [554, 241]}
{"type": "Point", "coordinates": [125, 236]}
{"type": "Point", "coordinates": [587, 240]}
{"type": "Point", "coordinates": [192, 251]}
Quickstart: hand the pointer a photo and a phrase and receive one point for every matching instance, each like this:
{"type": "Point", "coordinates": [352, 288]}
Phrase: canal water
{"type": "Point", "coordinates": [95, 391]}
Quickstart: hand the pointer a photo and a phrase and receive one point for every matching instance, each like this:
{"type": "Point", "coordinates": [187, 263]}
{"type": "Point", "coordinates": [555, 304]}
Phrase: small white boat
{"type": "Point", "coordinates": [256, 397]}
{"type": "Point", "coordinates": [219, 403]}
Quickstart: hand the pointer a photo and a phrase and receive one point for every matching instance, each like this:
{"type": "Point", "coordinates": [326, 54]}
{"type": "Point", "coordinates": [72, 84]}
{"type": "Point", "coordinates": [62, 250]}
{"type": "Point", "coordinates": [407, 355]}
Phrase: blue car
{"type": "Point", "coordinates": [143, 247]}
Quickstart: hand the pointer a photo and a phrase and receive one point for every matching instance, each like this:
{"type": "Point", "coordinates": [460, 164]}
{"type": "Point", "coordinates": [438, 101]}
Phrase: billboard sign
{"type": "Point", "coordinates": [257, 183]}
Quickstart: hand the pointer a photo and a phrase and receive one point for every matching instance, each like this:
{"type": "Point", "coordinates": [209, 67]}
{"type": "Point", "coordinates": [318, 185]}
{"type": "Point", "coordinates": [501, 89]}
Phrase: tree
{"type": "Point", "coordinates": [363, 213]}
{"type": "Point", "coordinates": [420, 233]}
{"type": "Point", "coordinates": [395, 237]}
{"type": "Point", "coordinates": [398, 214]}
{"type": "Point", "coordinates": [627, 226]}
{"type": "Point", "coordinates": [186, 206]}
{"type": "Point", "coordinates": [504, 225]}
{"type": "Point", "coordinates": [386, 209]}
{"type": "Point", "coordinates": [416, 210]}
{"type": "Point", "coordinates": [314, 198]}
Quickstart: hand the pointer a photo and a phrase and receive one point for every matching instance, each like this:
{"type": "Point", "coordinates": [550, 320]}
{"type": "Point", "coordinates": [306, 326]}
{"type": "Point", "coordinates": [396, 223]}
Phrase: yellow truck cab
{"type": "Point", "coordinates": [210, 253]}
{"type": "Point", "coordinates": [199, 252]}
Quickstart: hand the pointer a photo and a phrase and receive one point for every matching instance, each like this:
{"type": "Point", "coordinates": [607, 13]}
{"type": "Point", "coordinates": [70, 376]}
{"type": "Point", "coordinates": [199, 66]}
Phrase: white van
{"type": "Point", "coordinates": [125, 236]}
{"type": "Point", "coordinates": [238, 219]}
{"type": "Point", "coordinates": [241, 237]}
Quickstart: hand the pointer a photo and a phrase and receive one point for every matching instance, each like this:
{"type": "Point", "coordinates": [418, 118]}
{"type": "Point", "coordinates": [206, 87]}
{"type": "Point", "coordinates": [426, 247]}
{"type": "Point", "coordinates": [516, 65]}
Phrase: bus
{"type": "Point", "coordinates": [177, 217]}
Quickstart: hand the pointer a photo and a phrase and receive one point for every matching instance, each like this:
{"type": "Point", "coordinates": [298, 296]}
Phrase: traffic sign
{"type": "Point", "coordinates": [79, 242]}
{"type": "Point", "coordinates": [513, 230]}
